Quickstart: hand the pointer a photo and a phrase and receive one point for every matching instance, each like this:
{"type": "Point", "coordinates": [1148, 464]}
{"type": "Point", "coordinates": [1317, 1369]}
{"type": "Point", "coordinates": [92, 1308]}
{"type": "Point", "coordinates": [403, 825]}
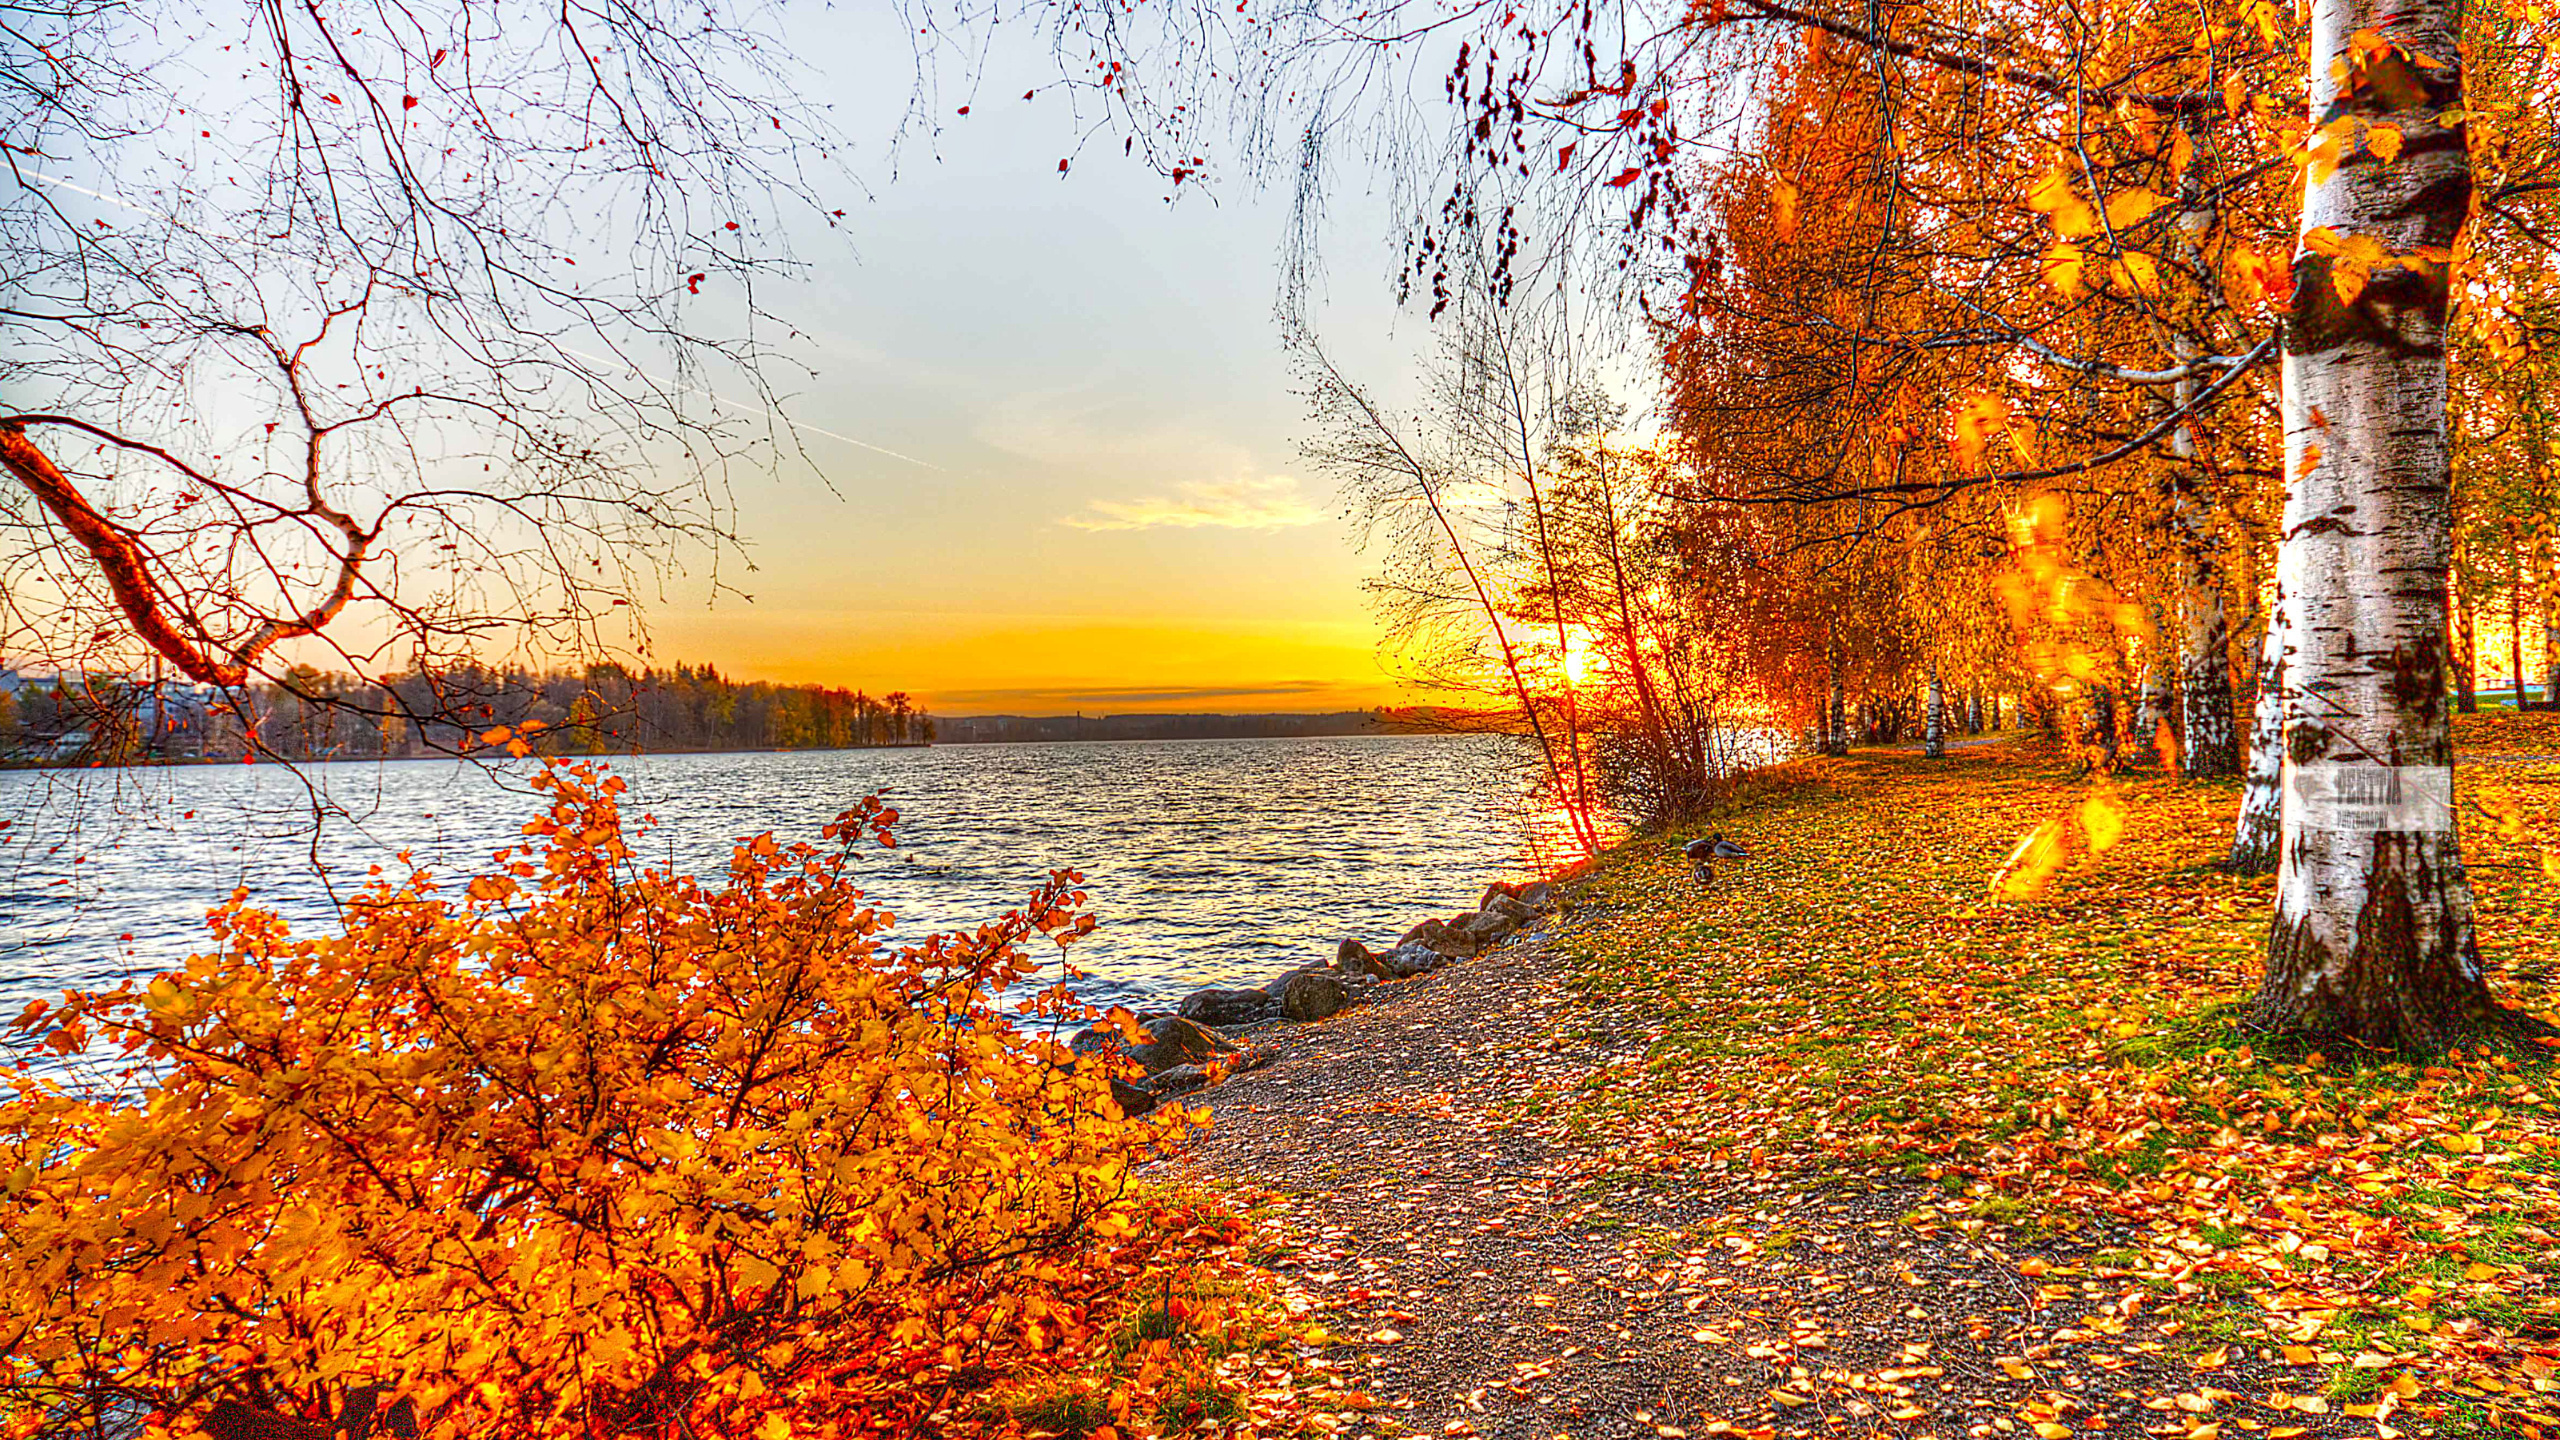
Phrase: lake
{"type": "Point", "coordinates": [1209, 862]}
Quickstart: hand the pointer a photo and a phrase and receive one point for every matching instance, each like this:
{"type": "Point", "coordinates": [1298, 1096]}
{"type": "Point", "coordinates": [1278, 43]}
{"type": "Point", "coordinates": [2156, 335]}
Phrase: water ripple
{"type": "Point", "coordinates": [1209, 861]}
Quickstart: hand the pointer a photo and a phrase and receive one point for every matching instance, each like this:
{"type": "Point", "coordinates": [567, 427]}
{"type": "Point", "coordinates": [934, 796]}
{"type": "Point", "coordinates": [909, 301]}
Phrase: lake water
{"type": "Point", "coordinates": [1209, 862]}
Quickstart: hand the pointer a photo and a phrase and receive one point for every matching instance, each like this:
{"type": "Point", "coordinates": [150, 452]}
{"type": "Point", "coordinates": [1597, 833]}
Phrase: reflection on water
{"type": "Point", "coordinates": [1209, 861]}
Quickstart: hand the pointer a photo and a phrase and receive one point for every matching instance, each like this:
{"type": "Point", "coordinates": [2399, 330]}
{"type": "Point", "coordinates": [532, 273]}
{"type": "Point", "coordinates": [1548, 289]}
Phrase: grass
{"type": "Point", "coordinates": [1853, 1000]}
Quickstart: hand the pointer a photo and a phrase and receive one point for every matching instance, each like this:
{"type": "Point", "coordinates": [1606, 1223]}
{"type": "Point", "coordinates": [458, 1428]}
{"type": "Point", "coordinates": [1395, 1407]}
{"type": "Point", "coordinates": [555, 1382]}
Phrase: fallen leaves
{"type": "Point", "coordinates": [2067, 1057]}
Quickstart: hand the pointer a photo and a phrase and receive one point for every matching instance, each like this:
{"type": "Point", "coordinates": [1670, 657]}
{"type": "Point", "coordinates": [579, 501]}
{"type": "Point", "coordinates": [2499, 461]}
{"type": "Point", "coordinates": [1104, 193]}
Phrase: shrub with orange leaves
{"type": "Point", "coordinates": [589, 1148]}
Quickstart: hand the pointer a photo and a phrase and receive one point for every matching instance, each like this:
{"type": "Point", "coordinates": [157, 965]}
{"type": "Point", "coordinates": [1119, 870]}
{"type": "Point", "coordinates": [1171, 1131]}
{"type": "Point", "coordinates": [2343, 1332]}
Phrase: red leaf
{"type": "Point", "coordinates": [1564, 157]}
{"type": "Point", "coordinates": [408, 102]}
{"type": "Point", "coordinates": [693, 283]}
{"type": "Point", "coordinates": [1627, 176]}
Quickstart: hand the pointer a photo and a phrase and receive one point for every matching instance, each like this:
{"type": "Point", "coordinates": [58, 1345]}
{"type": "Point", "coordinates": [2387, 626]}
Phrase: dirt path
{"type": "Point", "coordinates": [1492, 1273]}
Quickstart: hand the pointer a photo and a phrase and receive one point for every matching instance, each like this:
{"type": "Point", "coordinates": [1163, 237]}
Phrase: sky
{"type": "Point", "coordinates": [1095, 501]}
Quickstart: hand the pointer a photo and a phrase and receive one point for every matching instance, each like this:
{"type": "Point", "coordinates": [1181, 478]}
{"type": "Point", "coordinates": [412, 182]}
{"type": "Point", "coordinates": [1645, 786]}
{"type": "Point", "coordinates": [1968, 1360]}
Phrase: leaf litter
{"type": "Point", "coordinates": [1849, 1145]}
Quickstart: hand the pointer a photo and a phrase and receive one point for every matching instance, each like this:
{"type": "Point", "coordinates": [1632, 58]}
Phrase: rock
{"type": "Point", "coordinates": [1226, 1007]}
{"type": "Point", "coordinates": [1171, 1040]}
{"type": "Point", "coordinates": [1407, 961]}
{"type": "Point", "coordinates": [1486, 927]}
{"type": "Point", "coordinates": [1132, 1100]}
{"type": "Point", "coordinates": [1498, 890]}
{"type": "Point", "coordinates": [1100, 1039]}
{"type": "Point", "coordinates": [1512, 909]}
{"type": "Point", "coordinates": [1313, 996]}
{"type": "Point", "coordinates": [1177, 1041]}
{"type": "Point", "coordinates": [1354, 958]}
{"type": "Point", "coordinates": [1177, 1078]}
{"type": "Point", "coordinates": [1280, 982]}
{"type": "Point", "coordinates": [1440, 935]}
{"type": "Point", "coordinates": [1538, 895]}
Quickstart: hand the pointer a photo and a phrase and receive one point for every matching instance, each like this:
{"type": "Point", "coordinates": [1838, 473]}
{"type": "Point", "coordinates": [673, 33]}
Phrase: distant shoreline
{"type": "Point", "coordinates": [196, 763]}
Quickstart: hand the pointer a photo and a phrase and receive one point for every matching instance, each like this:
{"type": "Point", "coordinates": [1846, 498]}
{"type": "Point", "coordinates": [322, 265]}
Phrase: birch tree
{"type": "Point", "coordinates": [2372, 941]}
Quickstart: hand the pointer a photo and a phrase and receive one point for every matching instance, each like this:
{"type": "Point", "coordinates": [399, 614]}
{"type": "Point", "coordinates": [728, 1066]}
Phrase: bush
{"type": "Point", "coordinates": [587, 1149]}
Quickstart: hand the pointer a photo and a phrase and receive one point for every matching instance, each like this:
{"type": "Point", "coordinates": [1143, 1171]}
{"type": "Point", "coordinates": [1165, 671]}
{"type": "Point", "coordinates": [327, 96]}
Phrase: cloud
{"type": "Point", "coordinates": [1266, 504]}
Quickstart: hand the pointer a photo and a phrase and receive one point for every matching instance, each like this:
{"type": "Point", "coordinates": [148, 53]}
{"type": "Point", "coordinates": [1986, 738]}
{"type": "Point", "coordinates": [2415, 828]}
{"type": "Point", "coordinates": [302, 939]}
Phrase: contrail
{"type": "Point", "coordinates": [716, 398]}
{"type": "Point", "coordinates": [713, 396]}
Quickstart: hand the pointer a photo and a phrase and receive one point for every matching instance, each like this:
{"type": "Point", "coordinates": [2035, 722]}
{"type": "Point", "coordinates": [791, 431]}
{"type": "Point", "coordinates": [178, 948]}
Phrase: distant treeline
{"type": "Point", "coordinates": [994, 729]}
{"type": "Point", "coordinates": [311, 714]}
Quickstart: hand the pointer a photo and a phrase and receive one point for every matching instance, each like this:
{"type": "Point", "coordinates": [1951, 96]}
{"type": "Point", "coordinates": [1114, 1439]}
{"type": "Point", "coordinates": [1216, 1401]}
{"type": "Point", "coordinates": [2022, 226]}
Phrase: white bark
{"type": "Point", "coordinates": [2206, 745]}
{"type": "Point", "coordinates": [2546, 580]}
{"type": "Point", "coordinates": [1935, 735]}
{"type": "Point", "coordinates": [1836, 742]}
{"type": "Point", "coordinates": [2151, 712]}
{"type": "Point", "coordinates": [2372, 937]}
{"type": "Point", "coordinates": [2255, 840]}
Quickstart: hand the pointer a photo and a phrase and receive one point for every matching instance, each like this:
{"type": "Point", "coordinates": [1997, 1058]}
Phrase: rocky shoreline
{"type": "Point", "coordinates": [1195, 1044]}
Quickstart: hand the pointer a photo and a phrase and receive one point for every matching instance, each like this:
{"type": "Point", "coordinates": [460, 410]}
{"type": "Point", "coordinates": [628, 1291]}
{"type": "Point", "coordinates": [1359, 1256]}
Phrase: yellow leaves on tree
{"type": "Point", "coordinates": [2353, 260]}
{"type": "Point", "coordinates": [587, 1149]}
{"type": "Point", "coordinates": [1978, 418]}
{"type": "Point", "coordinates": [2096, 824]}
{"type": "Point", "coordinates": [1784, 196]}
{"type": "Point", "coordinates": [2056, 607]}
{"type": "Point", "coordinates": [2087, 232]}
{"type": "Point", "coordinates": [2031, 866]}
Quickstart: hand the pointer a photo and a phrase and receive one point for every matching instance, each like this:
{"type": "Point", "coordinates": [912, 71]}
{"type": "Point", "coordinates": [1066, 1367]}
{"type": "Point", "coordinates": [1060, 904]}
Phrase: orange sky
{"type": "Point", "coordinates": [1042, 665]}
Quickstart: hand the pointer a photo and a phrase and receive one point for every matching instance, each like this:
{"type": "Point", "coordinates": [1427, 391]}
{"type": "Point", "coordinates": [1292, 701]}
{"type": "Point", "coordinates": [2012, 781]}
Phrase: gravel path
{"type": "Point", "coordinates": [1489, 1271]}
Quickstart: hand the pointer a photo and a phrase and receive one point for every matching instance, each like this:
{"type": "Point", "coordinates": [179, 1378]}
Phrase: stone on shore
{"type": "Point", "coordinates": [1442, 936]}
{"type": "Point", "coordinates": [1171, 1040]}
{"type": "Point", "coordinates": [1313, 995]}
{"type": "Point", "coordinates": [1174, 1080]}
{"type": "Point", "coordinates": [1227, 1007]}
{"type": "Point", "coordinates": [1406, 961]}
{"type": "Point", "coordinates": [1132, 1100]}
{"type": "Point", "coordinates": [1538, 895]}
{"type": "Point", "coordinates": [1354, 958]}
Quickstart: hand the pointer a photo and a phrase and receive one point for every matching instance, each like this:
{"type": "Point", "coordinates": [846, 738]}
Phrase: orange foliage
{"type": "Point", "coordinates": [586, 1148]}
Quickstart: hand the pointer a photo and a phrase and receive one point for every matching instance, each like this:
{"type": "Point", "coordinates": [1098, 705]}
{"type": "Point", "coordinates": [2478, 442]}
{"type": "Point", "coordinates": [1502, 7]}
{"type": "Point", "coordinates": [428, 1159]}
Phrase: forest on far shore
{"type": "Point", "coordinates": [311, 714]}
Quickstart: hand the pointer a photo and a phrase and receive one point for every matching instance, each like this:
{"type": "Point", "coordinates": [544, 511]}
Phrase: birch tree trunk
{"type": "Point", "coordinates": [1836, 741]}
{"type": "Point", "coordinates": [2207, 744]}
{"type": "Point", "coordinates": [2546, 583]}
{"type": "Point", "coordinates": [2151, 697]}
{"type": "Point", "coordinates": [2256, 839]}
{"type": "Point", "coordinates": [1935, 735]}
{"type": "Point", "coordinates": [2099, 737]}
{"type": "Point", "coordinates": [2466, 635]}
{"type": "Point", "coordinates": [2515, 615]}
{"type": "Point", "coordinates": [2372, 941]}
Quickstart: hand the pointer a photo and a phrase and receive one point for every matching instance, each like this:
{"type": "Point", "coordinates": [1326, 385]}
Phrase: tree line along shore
{"type": "Point", "coordinates": [310, 714]}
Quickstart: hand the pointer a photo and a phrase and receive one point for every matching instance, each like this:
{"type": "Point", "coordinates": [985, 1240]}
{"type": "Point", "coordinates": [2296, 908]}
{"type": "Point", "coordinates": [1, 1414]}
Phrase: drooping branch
{"type": "Point", "coordinates": [122, 561]}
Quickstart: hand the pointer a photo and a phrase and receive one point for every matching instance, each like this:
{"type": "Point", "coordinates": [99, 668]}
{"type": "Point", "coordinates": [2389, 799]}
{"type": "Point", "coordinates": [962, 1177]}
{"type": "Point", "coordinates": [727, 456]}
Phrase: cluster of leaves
{"type": "Point", "coordinates": [2070, 1063]}
{"type": "Point", "coordinates": [589, 1148]}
